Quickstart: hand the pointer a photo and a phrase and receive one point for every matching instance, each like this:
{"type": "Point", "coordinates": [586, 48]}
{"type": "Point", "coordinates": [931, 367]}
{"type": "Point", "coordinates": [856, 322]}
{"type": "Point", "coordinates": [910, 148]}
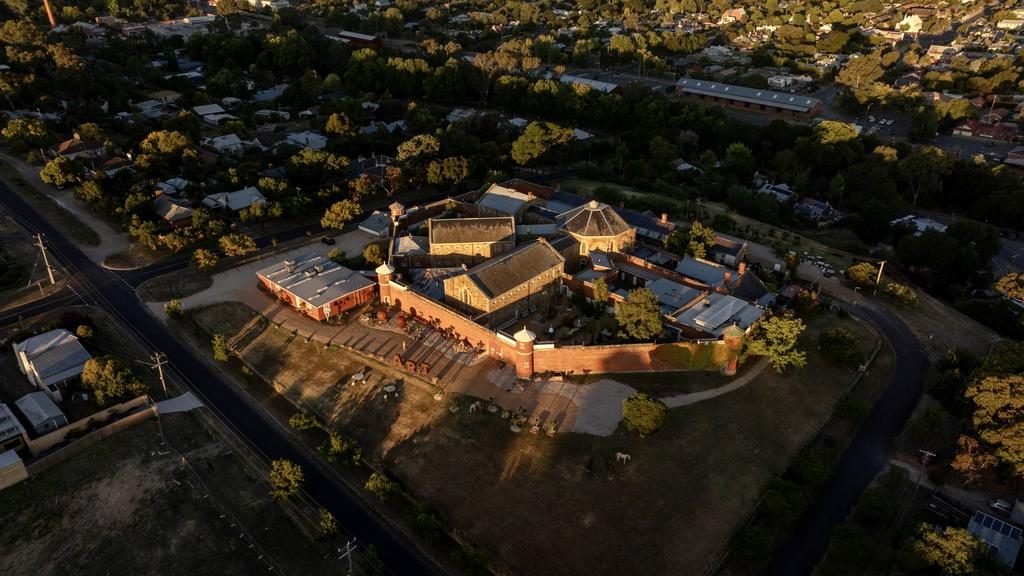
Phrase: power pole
{"type": "Point", "coordinates": [350, 548]}
{"type": "Point", "coordinates": [881, 267]}
{"type": "Point", "coordinates": [158, 362]}
{"type": "Point", "coordinates": [46, 261]}
{"type": "Point", "coordinates": [49, 14]}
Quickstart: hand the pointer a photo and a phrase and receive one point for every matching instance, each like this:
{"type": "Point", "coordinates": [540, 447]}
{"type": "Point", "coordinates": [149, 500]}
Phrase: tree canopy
{"type": "Point", "coordinates": [639, 317]}
{"type": "Point", "coordinates": [776, 338]}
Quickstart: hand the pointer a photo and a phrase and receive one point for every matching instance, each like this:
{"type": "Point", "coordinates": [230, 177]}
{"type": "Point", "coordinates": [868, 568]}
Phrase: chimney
{"type": "Point", "coordinates": [742, 268]}
{"type": "Point", "coordinates": [664, 217]}
{"type": "Point", "coordinates": [728, 278]}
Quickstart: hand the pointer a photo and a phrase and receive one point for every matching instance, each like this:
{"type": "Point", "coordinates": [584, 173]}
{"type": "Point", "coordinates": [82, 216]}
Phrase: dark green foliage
{"type": "Point", "coordinates": [840, 347]}
{"type": "Point", "coordinates": [643, 414]}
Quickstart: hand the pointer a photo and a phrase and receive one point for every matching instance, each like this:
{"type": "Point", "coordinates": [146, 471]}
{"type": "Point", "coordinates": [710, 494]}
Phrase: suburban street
{"type": "Point", "coordinates": [94, 285]}
{"type": "Point", "coordinates": [866, 456]}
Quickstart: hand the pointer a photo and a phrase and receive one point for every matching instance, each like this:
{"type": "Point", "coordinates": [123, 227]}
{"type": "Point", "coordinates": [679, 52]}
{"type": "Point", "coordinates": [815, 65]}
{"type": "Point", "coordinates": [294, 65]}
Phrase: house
{"type": "Point", "coordinates": [455, 241]}
{"type": "Point", "coordinates": [50, 359]}
{"type": "Point", "coordinates": [234, 201]}
{"type": "Point", "coordinates": [378, 223]}
{"type": "Point", "coordinates": [316, 286]}
{"type": "Point", "coordinates": [597, 226]}
{"type": "Point", "coordinates": [588, 84]}
{"type": "Point", "coordinates": [372, 166]}
{"type": "Point", "coordinates": [227, 144]}
{"type": "Point", "coordinates": [356, 38]}
{"type": "Point", "coordinates": [918, 225]}
{"type": "Point", "coordinates": [1003, 539]}
{"type": "Point", "coordinates": [509, 286]}
{"type": "Point", "coordinates": [1010, 24]}
{"type": "Point", "coordinates": [307, 139]}
{"type": "Point", "coordinates": [270, 94]}
{"type": "Point", "coordinates": [1015, 157]}
{"type": "Point", "coordinates": [815, 211]}
{"type": "Point", "coordinates": [781, 192]}
{"type": "Point", "coordinates": [266, 115]}
{"type": "Point", "coordinates": [11, 431]}
{"type": "Point", "coordinates": [728, 251]}
{"type": "Point", "coordinates": [175, 214]}
{"type": "Point", "coordinates": [42, 414]}
{"type": "Point", "coordinates": [1002, 132]}
{"type": "Point", "coordinates": [460, 114]}
{"type": "Point", "coordinates": [75, 148]}
{"type": "Point", "coordinates": [501, 201]}
{"type": "Point", "coordinates": [715, 313]}
{"type": "Point", "coordinates": [171, 186]}
{"type": "Point", "coordinates": [108, 167]}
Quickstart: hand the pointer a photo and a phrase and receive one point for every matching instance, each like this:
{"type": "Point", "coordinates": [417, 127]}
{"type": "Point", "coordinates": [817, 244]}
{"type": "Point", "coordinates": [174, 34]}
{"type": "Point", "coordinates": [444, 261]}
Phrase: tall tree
{"type": "Point", "coordinates": [998, 417]}
{"type": "Point", "coordinates": [537, 139]}
{"type": "Point", "coordinates": [639, 317]}
{"type": "Point", "coordinates": [776, 338]}
{"type": "Point", "coordinates": [339, 214]}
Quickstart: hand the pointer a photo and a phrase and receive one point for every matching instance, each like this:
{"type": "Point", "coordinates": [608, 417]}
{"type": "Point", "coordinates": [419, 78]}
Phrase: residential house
{"type": "Point", "coordinates": [1002, 538]}
{"type": "Point", "coordinates": [378, 223]}
{"type": "Point", "coordinates": [108, 167]}
{"type": "Point", "coordinates": [213, 114]}
{"type": "Point", "coordinates": [75, 148]}
{"type": "Point", "coordinates": [234, 201]}
{"type": "Point", "coordinates": [12, 433]}
{"type": "Point", "coordinates": [728, 251]}
{"type": "Point", "coordinates": [173, 213]}
{"type": "Point", "coordinates": [1002, 132]}
{"type": "Point", "coordinates": [781, 192]}
{"type": "Point", "coordinates": [589, 84]}
{"type": "Point", "coordinates": [815, 211]}
{"type": "Point", "coordinates": [229, 144]}
{"type": "Point", "coordinates": [918, 225]}
{"type": "Point", "coordinates": [316, 286]}
{"type": "Point", "coordinates": [308, 139]}
{"type": "Point", "coordinates": [42, 414]}
{"type": "Point", "coordinates": [269, 94]}
{"type": "Point", "coordinates": [171, 186]}
{"type": "Point", "coordinates": [715, 313]}
{"type": "Point", "coordinates": [50, 359]}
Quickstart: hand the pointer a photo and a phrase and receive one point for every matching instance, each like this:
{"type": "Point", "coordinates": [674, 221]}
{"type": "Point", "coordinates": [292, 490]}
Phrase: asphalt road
{"type": "Point", "coordinates": [866, 456]}
{"type": "Point", "coordinates": [267, 438]}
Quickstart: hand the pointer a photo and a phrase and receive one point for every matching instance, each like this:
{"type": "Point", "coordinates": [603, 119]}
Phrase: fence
{"type": "Point", "coordinates": [40, 445]}
{"type": "Point", "coordinates": [89, 439]}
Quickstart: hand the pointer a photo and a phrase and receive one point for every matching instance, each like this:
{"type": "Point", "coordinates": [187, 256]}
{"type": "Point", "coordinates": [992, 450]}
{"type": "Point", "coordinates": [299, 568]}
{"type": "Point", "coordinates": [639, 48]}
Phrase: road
{"type": "Point", "coordinates": [866, 456]}
{"type": "Point", "coordinates": [95, 285]}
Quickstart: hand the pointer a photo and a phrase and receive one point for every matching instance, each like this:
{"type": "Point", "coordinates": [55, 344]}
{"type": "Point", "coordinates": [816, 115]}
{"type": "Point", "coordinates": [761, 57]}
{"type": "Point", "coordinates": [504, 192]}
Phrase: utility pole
{"type": "Point", "coordinates": [350, 548]}
{"type": "Point", "coordinates": [46, 261]}
{"type": "Point", "coordinates": [49, 14]}
{"type": "Point", "coordinates": [881, 267]}
{"type": "Point", "coordinates": [159, 359]}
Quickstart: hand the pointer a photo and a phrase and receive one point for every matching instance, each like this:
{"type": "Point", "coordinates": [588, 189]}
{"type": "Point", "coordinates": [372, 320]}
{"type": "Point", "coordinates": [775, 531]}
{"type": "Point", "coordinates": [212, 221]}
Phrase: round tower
{"type": "Point", "coordinates": [733, 339]}
{"type": "Point", "coordinates": [384, 273]}
{"type": "Point", "coordinates": [524, 353]}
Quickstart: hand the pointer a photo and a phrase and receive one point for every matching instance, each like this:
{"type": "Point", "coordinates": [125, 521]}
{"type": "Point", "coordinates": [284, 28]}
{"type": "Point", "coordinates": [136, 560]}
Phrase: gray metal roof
{"type": "Point", "coordinates": [9, 424]}
{"type": "Point", "coordinates": [782, 100]}
{"type": "Point", "coordinates": [504, 200]}
{"type": "Point", "coordinates": [672, 295]}
{"type": "Point", "coordinates": [38, 408]}
{"type": "Point", "coordinates": [378, 222]}
{"type": "Point", "coordinates": [706, 272]}
{"type": "Point", "coordinates": [716, 312]}
{"type": "Point", "coordinates": [315, 279]}
{"type": "Point", "coordinates": [55, 356]}
{"type": "Point", "coordinates": [1004, 539]}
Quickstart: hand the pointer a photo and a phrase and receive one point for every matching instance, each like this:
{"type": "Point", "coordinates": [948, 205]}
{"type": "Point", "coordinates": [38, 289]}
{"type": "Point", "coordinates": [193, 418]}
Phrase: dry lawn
{"type": "Point", "coordinates": [940, 327]}
{"type": "Point", "coordinates": [561, 505]}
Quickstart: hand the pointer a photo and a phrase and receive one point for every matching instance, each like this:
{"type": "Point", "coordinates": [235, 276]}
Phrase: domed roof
{"type": "Point", "coordinates": [593, 219]}
{"type": "Point", "coordinates": [524, 335]}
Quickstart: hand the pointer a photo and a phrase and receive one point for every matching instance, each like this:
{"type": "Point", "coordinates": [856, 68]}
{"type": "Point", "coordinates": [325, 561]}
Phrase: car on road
{"type": "Point", "coordinates": [871, 119]}
{"type": "Point", "coordinates": [328, 240]}
{"type": "Point", "coordinates": [1000, 505]}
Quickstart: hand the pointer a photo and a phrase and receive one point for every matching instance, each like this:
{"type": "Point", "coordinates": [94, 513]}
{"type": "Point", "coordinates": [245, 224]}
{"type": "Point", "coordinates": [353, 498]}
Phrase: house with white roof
{"type": "Point", "coordinates": [235, 201]}
{"type": "Point", "coordinates": [50, 359]}
{"type": "Point", "coordinates": [308, 139]}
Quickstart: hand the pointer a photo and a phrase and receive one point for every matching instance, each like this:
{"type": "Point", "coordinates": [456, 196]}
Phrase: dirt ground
{"type": "Point", "coordinates": [682, 496]}
{"type": "Point", "coordinates": [123, 506]}
{"type": "Point", "coordinates": [940, 327]}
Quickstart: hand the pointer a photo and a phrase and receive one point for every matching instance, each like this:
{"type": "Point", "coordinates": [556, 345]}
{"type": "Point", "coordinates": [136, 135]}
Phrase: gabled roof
{"type": "Point", "coordinates": [10, 426]}
{"type": "Point", "coordinates": [315, 279]}
{"type": "Point", "coordinates": [169, 210]}
{"type": "Point", "coordinates": [743, 94]}
{"type": "Point", "coordinates": [236, 200]}
{"type": "Point", "coordinates": [75, 146]}
{"type": "Point", "coordinates": [593, 219]}
{"type": "Point", "coordinates": [55, 356]}
{"type": "Point", "coordinates": [378, 222]}
{"type": "Point", "coordinates": [38, 408]}
{"type": "Point", "coordinates": [471, 230]}
{"type": "Point", "coordinates": [499, 275]}
{"type": "Point", "coordinates": [504, 200]}
{"type": "Point", "coordinates": [208, 109]}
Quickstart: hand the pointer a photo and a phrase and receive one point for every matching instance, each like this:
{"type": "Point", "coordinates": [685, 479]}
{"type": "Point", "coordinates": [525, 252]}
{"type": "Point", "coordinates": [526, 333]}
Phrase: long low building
{"type": "Point", "coordinates": [316, 286]}
{"type": "Point", "coordinates": [709, 91]}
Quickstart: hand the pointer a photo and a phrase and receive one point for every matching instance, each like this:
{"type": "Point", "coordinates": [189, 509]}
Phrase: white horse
{"type": "Point", "coordinates": [622, 458]}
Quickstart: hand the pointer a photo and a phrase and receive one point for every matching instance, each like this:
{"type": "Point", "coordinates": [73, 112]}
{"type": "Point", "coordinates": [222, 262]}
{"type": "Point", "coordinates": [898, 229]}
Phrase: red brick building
{"type": "Point", "coordinates": [316, 286]}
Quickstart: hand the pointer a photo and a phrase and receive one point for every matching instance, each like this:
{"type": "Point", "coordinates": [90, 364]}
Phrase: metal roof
{"type": "Point", "coordinates": [504, 200]}
{"type": "Point", "coordinates": [38, 408]}
{"type": "Point", "coordinates": [672, 295]}
{"type": "Point", "coordinates": [717, 312]}
{"type": "Point", "coordinates": [782, 100]}
{"type": "Point", "coordinates": [1003, 539]}
{"type": "Point", "coordinates": [9, 424]}
{"type": "Point", "coordinates": [315, 279]}
{"type": "Point", "coordinates": [54, 356]}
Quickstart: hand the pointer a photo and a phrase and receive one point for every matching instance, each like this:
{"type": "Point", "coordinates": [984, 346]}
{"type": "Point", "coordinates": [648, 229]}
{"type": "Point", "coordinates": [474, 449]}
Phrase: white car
{"type": "Point", "coordinates": [1000, 505]}
{"type": "Point", "coordinates": [871, 119]}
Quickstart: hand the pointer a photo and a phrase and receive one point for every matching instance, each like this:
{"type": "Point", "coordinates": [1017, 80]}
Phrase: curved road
{"type": "Point", "coordinates": [866, 456]}
{"type": "Point", "coordinates": [267, 438]}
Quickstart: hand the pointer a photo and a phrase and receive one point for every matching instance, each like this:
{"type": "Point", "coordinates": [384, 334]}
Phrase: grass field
{"type": "Point", "coordinates": [126, 506]}
{"type": "Point", "coordinates": [59, 216]}
{"type": "Point", "coordinates": [685, 492]}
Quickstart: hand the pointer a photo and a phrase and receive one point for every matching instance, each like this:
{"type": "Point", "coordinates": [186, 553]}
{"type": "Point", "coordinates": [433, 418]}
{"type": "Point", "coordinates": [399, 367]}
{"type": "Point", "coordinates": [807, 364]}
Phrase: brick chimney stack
{"type": "Point", "coordinates": [742, 268]}
{"type": "Point", "coordinates": [664, 217]}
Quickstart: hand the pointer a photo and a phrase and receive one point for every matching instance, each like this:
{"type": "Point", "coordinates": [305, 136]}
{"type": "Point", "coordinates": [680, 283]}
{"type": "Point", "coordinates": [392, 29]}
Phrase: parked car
{"type": "Point", "coordinates": [1000, 505]}
{"type": "Point", "coordinates": [329, 241]}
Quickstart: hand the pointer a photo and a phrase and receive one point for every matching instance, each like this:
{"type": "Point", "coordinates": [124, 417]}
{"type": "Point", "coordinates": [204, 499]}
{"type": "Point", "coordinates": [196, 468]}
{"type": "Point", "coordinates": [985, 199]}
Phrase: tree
{"type": "Point", "coordinates": [777, 338]}
{"type": "Point", "coordinates": [84, 332]}
{"type": "Point", "coordinates": [924, 123]}
{"type": "Point", "coordinates": [700, 239]}
{"type": "Point", "coordinates": [419, 147]}
{"type": "Point", "coordinates": [338, 124]}
{"type": "Point", "coordinates": [61, 172]}
{"type": "Point", "coordinates": [643, 414]}
{"type": "Point", "coordinates": [303, 421]}
{"type": "Point", "coordinates": [901, 293]}
{"type": "Point", "coordinates": [1012, 285]}
{"type": "Point", "coordinates": [998, 417]}
{"type": "Point", "coordinates": [600, 289]}
{"type": "Point", "coordinates": [739, 160]}
{"type": "Point", "coordinates": [236, 244]}
{"type": "Point", "coordinates": [221, 350]}
{"type": "Point", "coordinates": [971, 459]}
{"type": "Point", "coordinates": [204, 260]}
{"type": "Point", "coordinates": [923, 171]}
{"type": "Point", "coordinates": [328, 527]}
{"type": "Point", "coordinates": [285, 478]}
{"type": "Point", "coordinates": [537, 139]}
{"type": "Point", "coordinates": [862, 274]}
{"type": "Point", "coordinates": [954, 551]}
{"type": "Point", "coordinates": [340, 213]}
{"type": "Point", "coordinates": [339, 448]}
{"type": "Point", "coordinates": [173, 309]}
{"type": "Point", "coordinates": [109, 380]}
{"type": "Point", "coordinates": [838, 345]}
{"type": "Point", "coordinates": [23, 134]}
{"type": "Point", "coordinates": [381, 486]}
{"type": "Point", "coordinates": [373, 254]}
{"type": "Point", "coordinates": [639, 317]}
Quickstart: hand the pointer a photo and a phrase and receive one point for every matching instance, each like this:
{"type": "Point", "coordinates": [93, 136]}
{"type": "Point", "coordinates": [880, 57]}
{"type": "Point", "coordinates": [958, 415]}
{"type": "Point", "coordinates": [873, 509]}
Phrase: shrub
{"type": "Point", "coordinates": [901, 293]}
{"type": "Point", "coordinates": [643, 414]}
{"type": "Point", "coordinates": [84, 331]}
{"type": "Point", "coordinates": [285, 478]}
{"type": "Point", "coordinates": [381, 486]}
{"type": "Point", "coordinates": [173, 309]}
{"type": "Point", "coordinates": [339, 448]}
{"type": "Point", "coordinates": [221, 353]}
{"type": "Point", "coordinates": [429, 526]}
{"type": "Point", "coordinates": [303, 421]}
{"type": "Point", "coordinates": [838, 346]}
{"type": "Point", "coordinates": [110, 380]}
{"type": "Point", "coordinates": [328, 524]}
{"type": "Point", "coordinates": [862, 274]}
